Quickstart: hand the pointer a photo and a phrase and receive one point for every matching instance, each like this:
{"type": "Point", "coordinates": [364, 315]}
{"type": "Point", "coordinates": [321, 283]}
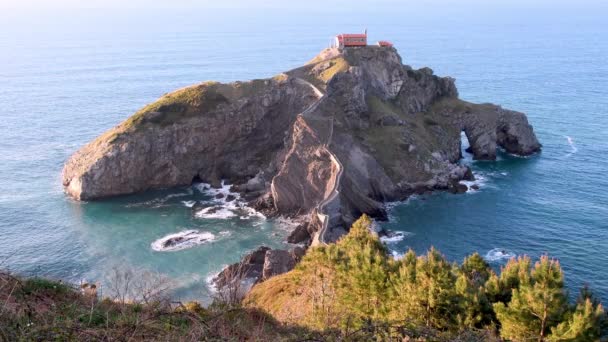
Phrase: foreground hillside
{"type": "Point", "coordinates": [354, 284]}
{"type": "Point", "coordinates": [348, 291]}
{"type": "Point", "coordinates": [37, 309]}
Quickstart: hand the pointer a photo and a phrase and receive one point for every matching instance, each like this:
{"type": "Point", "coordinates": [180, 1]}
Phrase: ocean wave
{"type": "Point", "coordinates": [480, 181]}
{"type": "Point", "coordinates": [178, 194]}
{"type": "Point", "coordinates": [392, 237]}
{"type": "Point", "coordinates": [160, 202]}
{"type": "Point", "coordinates": [498, 254]}
{"type": "Point", "coordinates": [182, 240]}
{"type": "Point", "coordinates": [216, 212]}
{"type": "Point", "coordinates": [209, 280]}
{"type": "Point", "coordinates": [245, 283]}
{"type": "Point", "coordinates": [189, 204]}
{"type": "Point", "coordinates": [573, 148]}
{"type": "Point", "coordinates": [286, 224]}
{"type": "Point", "coordinates": [226, 204]}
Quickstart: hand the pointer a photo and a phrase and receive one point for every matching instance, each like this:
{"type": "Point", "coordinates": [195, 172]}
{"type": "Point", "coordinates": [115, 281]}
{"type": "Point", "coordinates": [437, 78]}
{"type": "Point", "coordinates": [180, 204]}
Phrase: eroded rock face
{"type": "Point", "coordinates": [210, 131]}
{"type": "Point", "coordinates": [259, 265]}
{"type": "Point", "coordinates": [330, 140]}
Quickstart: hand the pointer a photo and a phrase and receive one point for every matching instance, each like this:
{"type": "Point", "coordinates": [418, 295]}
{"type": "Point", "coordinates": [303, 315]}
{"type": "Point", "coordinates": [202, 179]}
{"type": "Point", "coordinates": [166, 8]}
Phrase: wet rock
{"type": "Point", "coordinates": [277, 262]}
{"type": "Point", "coordinates": [219, 196]}
{"type": "Point", "coordinates": [458, 188]}
{"type": "Point", "coordinates": [212, 210]}
{"type": "Point", "coordinates": [468, 176]}
{"type": "Point", "coordinates": [198, 206]}
{"type": "Point", "coordinates": [297, 253]}
{"type": "Point", "coordinates": [230, 198]}
{"type": "Point", "coordinates": [299, 235]}
{"type": "Point", "coordinates": [265, 205]}
{"type": "Point", "coordinates": [251, 266]}
{"type": "Point", "coordinates": [259, 265]}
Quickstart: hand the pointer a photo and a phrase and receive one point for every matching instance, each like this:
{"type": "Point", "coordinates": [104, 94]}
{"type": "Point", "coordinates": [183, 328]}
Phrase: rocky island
{"type": "Point", "coordinates": [325, 142]}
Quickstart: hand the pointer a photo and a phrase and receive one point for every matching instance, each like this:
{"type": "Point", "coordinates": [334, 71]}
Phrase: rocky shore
{"type": "Point", "coordinates": [325, 142]}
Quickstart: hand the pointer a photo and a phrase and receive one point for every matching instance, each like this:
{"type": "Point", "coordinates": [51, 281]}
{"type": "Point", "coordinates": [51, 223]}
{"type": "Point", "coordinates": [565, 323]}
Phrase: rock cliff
{"type": "Point", "coordinates": [332, 139]}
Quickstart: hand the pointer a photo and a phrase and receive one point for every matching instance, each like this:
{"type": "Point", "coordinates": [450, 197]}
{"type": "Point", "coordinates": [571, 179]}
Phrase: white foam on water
{"type": "Point", "coordinates": [179, 194]}
{"type": "Point", "coordinates": [209, 279]}
{"type": "Point", "coordinates": [498, 254]}
{"type": "Point", "coordinates": [573, 148]}
{"type": "Point", "coordinates": [243, 289]}
{"type": "Point", "coordinates": [224, 209]}
{"type": "Point", "coordinates": [182, 240]}
{"type": "Point", "coordinates": [483, 180]}
{"type": "Point", "coordinates": [389, 206]}
{"type": "Point", "coordinates": [396, 255]}
{"type": "Point", "coordinates": [215, 212]}
{"type": "Point", "coordinates": [480, 180]}
{"type": "Point", "coordinates": [395, 237]}
{"type": "Point", "coordinates": [189, 204]}
{"type": "Point", "coordinates": [286, 224]}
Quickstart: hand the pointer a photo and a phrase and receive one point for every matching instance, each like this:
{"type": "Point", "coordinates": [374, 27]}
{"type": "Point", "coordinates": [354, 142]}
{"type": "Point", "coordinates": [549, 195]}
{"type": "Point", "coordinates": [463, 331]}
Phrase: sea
{"type": "Point", "coordinates": [68, 76]}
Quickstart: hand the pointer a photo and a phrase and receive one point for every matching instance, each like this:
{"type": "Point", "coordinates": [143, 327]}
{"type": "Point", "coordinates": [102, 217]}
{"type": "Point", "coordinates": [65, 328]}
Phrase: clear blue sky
{"type": "Point", "coordinates": [286, 4]}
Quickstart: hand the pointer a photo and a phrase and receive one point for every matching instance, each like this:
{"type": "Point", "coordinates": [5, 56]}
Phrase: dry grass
{"type": "Point", "coordinates": [337, 65]}
{"type": "Point", "coordinates": [37, 309]}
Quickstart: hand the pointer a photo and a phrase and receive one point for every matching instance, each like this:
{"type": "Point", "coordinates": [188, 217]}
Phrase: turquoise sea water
{"type": "Point", "coordinates": [67, 77]}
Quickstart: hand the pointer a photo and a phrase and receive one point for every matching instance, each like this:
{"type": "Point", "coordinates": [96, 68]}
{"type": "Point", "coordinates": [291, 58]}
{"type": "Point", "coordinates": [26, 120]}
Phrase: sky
{"type": "Point", "coordinates": [38, 5]}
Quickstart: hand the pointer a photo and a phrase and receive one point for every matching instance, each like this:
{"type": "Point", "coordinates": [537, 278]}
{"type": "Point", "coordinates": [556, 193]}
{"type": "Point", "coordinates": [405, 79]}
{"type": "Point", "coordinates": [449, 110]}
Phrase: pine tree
{"type": "Point", "coordinates": [362, 276]}
{"type": "Point", "coordinates": [476, 310]}
{"type": "Point", "coordinates": [476, 269]}
{"type": "Point", "coordinates": [586, 322]}
{"type": "Point", "coordinates": [536, 305]}
{"type": "Point", "coordinates": [404, 304]}
{"type": "Point", "coordinates": [425, 291]}
{"type": "Point", "coordinates": [498, 287]}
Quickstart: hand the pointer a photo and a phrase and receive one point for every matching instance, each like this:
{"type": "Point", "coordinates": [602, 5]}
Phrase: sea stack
{"type": "Point", "coordinates": [333, 139]}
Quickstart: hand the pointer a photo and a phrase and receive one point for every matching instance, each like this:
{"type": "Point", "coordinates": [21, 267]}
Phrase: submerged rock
{"type": "Point", "coordinates": [332, 139]}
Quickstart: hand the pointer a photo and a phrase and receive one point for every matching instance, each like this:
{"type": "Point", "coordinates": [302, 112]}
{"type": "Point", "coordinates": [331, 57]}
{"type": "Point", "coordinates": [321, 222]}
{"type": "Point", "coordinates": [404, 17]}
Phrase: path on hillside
{"type": "Point", "coordinates": [319, 238]}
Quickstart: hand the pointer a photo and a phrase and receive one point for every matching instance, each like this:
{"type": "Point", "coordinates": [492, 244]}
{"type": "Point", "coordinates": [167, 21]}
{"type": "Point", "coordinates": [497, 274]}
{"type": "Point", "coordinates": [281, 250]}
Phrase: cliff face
{"type": "Point", "coordinates": [210, 131]}
{"type": "Point", "coordinates": [332, 139]}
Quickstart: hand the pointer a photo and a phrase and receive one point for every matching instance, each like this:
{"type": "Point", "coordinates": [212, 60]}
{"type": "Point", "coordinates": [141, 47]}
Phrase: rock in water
{"type": "Point", "coordinates": [332, 139]}
{"type": "Point", "coordinates": [299, 235]}
{"type": "Point", "coordinates": [259, 265]}
{"type": "Point", "coordinates": [250, 267]}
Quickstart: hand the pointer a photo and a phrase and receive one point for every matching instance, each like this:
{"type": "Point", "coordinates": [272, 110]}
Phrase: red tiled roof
{"type": "Point", "coordinates": [353, 35]}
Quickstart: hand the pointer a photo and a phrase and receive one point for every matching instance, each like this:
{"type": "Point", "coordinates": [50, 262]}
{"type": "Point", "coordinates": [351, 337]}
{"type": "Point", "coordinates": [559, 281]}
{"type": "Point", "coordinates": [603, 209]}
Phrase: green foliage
{"type": "Point", "coordinates": [356, 285]}
{"type": "Point", "coordinates": [537, 304]}
{"type": "Point", "coordinates": [586, 321]}
{"type": "Point", "coordinates": [40, 285]}
{"type": "Point", "coordinates": [499, 287]}
{"type": "Point", "coordinates": [584, 324]}
{"type": "Point", "coordinates": [429, 296]}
